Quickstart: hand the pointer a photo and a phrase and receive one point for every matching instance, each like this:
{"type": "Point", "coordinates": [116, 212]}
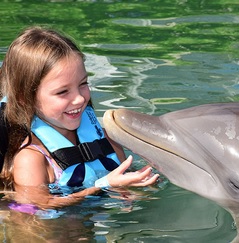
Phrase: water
{"type": "Point", "coordinates": [152, 56]}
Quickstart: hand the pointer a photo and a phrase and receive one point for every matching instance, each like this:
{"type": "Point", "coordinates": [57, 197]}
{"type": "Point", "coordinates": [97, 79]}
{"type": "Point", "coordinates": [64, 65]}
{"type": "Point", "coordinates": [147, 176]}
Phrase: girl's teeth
{"type": "Point", "coordinates": [74, 111]}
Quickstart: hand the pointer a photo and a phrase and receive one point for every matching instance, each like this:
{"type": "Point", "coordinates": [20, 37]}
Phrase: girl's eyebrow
{"type": "Point", "coordinates": [85, 77]}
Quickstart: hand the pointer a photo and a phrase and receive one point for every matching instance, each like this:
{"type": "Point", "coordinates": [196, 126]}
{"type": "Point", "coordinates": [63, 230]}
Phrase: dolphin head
{"type": "Point", "coordinates": [195, 148]}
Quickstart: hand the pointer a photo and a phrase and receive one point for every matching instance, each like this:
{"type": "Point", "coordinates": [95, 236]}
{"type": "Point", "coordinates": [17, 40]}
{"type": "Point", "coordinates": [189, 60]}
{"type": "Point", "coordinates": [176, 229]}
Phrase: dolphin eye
{"type": "Point", "coordinates": [234, 184]}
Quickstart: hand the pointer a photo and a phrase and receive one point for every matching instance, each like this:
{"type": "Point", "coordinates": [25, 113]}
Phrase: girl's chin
{"type": "Point", "coordinates": [75, 126]}
{"type": "Point", "coordinates": [72, 128]}
{"type": "Point", "coordinates": [68, 127]}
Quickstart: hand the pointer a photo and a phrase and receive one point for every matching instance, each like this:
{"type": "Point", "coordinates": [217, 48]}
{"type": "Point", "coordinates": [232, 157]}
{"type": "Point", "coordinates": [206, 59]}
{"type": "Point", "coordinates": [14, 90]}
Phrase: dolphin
{"type": "Point", "coordinates": [195, 148]}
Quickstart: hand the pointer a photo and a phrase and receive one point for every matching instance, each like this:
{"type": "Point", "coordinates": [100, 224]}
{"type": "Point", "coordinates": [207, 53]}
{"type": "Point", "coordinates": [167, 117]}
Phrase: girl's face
{"type": "Point", "coordinates": [63, 94]}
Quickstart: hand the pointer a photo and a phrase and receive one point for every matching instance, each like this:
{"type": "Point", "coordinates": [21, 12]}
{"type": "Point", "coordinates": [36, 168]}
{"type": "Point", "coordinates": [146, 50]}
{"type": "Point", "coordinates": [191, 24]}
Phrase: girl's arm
{"type": "Point", "coordinates": [32, 173]}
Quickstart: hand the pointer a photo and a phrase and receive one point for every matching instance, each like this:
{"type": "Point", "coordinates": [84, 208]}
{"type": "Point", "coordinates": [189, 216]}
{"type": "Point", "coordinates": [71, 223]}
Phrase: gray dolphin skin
{"type": "Point", "coordinates": [196, 148]}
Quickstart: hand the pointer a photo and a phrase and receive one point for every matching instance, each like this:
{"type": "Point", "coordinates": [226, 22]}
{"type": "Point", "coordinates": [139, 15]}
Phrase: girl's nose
{"type": "Point", "coordinates": [78, 98]}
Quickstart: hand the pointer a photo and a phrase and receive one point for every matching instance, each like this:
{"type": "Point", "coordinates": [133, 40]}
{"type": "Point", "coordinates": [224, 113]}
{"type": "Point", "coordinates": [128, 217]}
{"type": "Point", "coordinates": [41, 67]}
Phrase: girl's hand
{"type": "Point", "coordinates": [140, 178]}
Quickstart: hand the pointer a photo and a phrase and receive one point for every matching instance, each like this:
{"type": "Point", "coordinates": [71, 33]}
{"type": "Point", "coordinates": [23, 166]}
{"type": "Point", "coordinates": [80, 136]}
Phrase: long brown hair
{"type": "Point", "coordinates": [28, 60]}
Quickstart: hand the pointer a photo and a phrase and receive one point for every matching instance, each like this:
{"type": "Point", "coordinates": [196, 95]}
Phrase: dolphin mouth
{"type": "Point", "coordinates": [119, 117]}
{"type": "Point", "coordinates": [156, 145]}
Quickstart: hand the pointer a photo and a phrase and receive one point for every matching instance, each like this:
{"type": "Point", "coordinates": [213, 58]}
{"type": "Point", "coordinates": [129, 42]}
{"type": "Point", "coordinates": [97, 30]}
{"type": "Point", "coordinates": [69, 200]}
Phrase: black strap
{"type": "Point", "coordinates": [84, 152]}
{"type": "Point", "coordinates": [78, 176]}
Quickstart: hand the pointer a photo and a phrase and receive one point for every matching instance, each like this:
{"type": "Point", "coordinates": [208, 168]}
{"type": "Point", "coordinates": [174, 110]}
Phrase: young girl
{"type": "Point", "coordinates": [54, 137]}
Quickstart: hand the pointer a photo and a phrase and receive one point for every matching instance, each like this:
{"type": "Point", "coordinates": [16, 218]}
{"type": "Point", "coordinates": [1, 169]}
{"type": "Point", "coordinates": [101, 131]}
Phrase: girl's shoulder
{"type": "Point", "coordinates": [30, 156]}
{"type": "Point", "coordinates": [30, 166]}
{"type": "Point", "coordinates": [35, 146]}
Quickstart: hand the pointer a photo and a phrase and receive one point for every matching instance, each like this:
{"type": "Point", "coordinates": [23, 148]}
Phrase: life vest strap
{"type": "Point", "coordinates": [84, 152]}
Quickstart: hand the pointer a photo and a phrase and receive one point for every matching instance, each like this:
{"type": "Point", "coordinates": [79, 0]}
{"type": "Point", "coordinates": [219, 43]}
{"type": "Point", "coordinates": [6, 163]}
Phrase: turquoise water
{"type": "Point", "coordinates": [151, 56]}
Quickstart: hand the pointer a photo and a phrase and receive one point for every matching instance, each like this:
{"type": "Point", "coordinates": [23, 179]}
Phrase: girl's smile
{"type": "Point", "coordinates": [74, 113]}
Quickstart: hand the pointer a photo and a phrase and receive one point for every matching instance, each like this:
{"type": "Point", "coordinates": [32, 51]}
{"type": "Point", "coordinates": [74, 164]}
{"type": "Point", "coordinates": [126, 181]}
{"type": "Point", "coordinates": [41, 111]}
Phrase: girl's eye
{"type": "Point", "coordinates": [84, 84]}
{"type": "Point", "coordinates": [61, 92]}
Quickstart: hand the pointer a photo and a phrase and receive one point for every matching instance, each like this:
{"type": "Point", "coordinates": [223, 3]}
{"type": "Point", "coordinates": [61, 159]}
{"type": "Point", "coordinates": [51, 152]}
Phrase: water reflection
{"type": "Point", "coordinates": [18, 227]}
{"type": "Point", "coordinates": [139, 83]}
{"type": "Point", "coordinates": [171, 22]}
{"type": "Point", "coordinates": [179, 215]}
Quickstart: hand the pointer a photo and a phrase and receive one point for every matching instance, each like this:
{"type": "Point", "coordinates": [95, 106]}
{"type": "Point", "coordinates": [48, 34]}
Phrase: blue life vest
{"type": "Point", "coordinates": [82, 165]}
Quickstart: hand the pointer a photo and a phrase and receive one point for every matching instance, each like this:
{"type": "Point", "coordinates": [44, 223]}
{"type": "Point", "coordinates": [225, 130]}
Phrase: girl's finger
{"type": "Point", "coordinates": [144, 174]}
{"type": "Point", "coordinates": [148, 182]}
{"type": "Point", "coordinates": [125, 165]}
{"type": "Point", "coordinates": [144, 168]}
